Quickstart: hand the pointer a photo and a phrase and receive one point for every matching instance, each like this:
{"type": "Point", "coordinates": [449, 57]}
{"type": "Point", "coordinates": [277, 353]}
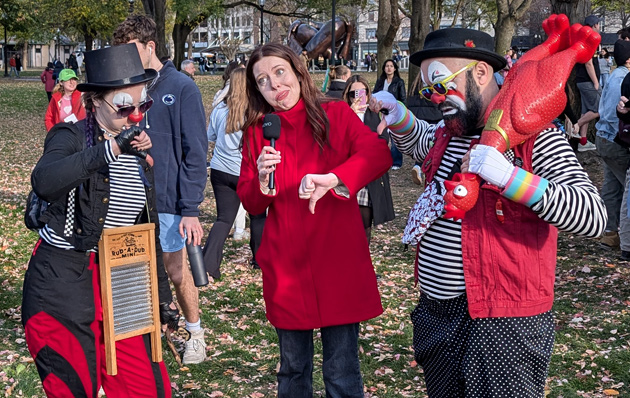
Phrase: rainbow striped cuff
{"type": "Point", "coordinates": [524, 187]}
{"type": "Point", "coordinates": [405, 125]}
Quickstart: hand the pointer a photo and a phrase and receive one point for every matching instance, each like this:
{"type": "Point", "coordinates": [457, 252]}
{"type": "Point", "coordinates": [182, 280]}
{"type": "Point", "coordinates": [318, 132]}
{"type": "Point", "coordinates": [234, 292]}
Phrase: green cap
{"type": "Point", "coordinates": [67, 74]}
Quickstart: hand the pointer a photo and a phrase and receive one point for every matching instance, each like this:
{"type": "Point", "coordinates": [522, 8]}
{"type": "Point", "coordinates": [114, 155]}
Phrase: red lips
{"type": "Point", "coordinates": [282, 95]}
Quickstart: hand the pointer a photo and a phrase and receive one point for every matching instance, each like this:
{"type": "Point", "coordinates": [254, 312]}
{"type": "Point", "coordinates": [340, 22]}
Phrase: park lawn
{"type": "Point", "coordinates": [591, 357]}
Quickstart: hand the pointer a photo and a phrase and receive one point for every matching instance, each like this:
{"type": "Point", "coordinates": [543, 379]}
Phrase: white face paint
{"type": "Point", "coordinates": [437, 72]}
{"type": "Point", "coordinates": [123, 98]}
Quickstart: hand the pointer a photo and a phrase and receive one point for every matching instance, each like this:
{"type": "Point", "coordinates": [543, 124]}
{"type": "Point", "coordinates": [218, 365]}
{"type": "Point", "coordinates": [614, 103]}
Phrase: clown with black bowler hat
{"type": "Point", "coordinates": [483, 326]}
{"type": "Point", "coordinates": [95, 174]}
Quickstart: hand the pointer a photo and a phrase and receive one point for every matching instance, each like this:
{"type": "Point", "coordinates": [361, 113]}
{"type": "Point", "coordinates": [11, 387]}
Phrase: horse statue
{"type": "Point", "coordinates": [316, 42]}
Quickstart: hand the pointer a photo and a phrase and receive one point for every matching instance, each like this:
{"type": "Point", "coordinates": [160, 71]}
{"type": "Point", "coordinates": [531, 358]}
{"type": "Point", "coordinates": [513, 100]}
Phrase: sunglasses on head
{"type": "Point", "coordinates": [440, 87]}
{"type": "Point", "coordinates": [126, 110]}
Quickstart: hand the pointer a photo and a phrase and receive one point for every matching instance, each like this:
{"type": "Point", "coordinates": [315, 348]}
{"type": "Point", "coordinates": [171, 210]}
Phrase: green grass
{"type": "Point", "coordinates": [592, 288]}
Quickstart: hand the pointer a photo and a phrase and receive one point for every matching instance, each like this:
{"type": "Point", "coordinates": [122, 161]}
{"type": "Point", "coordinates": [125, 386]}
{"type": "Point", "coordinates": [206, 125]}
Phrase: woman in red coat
{"type": "Point", "coordinates": [65, 105]}
{"type": "Point", "coordinates": [314, 255]}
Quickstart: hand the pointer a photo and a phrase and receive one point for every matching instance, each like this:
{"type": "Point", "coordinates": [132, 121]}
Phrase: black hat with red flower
{"type": "Point", "coordinates": [460, 43]}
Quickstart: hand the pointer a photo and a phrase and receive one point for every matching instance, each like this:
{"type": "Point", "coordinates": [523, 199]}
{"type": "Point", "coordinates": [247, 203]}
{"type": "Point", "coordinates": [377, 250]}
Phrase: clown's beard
{"type": "Point", "coordinates": [465, 120]}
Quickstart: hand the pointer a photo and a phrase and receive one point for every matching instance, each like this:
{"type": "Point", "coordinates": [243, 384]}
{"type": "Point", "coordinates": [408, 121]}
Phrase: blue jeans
{"type": "Point", "coordinates": [340, 368]}
{"type": "Point", "coordinates": [397, 156]}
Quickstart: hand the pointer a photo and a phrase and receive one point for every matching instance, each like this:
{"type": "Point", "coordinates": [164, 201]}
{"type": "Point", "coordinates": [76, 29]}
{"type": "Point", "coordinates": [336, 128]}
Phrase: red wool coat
{"type": "Point", "coordinates": [317, 269]}
{"type": "Point", "coordinates": [52, 113]}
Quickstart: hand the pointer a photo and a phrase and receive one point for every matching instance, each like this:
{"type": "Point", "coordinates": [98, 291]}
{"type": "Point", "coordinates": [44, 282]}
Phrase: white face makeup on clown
{"type": "Point", "coordinates": [106, 110]}
{"type": "Point", "coordinates": [454, 99]}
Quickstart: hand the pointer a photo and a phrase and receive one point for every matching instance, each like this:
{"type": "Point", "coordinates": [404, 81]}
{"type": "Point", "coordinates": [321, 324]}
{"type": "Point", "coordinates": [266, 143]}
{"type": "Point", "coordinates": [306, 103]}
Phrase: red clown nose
{"type": "Point", "coordinates": [135, 117]}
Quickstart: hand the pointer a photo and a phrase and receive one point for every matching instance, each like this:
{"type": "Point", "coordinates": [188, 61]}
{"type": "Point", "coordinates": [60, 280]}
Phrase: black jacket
{"type": "Point", "coordinates": [335, 88]}
{"type": "Point", "coordinates": [379, 189]}
{"type": "Point", "coordinates": [396, 88]}
{"type": "Point", "coordinates": [423, 109]}
{"type": "Point", "coordinates": [67, 164]}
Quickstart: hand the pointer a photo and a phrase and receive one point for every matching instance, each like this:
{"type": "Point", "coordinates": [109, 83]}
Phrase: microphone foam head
{"type": "Point", "coordinates": [271, 126]}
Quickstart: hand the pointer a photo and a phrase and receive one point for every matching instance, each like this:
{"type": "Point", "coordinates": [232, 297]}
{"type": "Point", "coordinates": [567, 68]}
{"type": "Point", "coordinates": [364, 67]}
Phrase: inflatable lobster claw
{"type": "Point", "coordinates": [532, 96]}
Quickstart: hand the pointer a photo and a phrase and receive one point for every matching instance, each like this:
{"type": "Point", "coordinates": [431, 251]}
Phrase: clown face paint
{"type": "Point", "coordinates": [462, 104]}
{"type": "Point", "coordinates": [106, 110]}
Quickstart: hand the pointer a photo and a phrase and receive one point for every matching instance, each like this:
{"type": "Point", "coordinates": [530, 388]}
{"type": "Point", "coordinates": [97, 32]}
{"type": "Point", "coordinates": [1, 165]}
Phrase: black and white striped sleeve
{"type": "Point", "coordinates": [418, 141]}
{"type": "Point", "coordinates": [571, 201]}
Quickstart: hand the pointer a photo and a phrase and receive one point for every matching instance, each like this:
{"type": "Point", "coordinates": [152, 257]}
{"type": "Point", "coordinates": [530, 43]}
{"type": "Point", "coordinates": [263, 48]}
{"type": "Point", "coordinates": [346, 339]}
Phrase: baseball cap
{"type": "Point", "coordinates": [591, 20]}
{"type": "Point", "coordinates": [67, 74]}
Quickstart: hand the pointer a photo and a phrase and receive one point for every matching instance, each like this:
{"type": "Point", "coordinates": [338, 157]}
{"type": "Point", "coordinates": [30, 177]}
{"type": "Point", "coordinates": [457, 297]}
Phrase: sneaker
{"type": "Point", "coordinates": [589, 146]}
{"type": "Point", "coordinates": [395, 167]}
{"type": "Point", "coordinates": [241, 235]}
{"type": "Point", "coordinates": [195, 348]}
{"type": "Point", "coordinates": [610, 240]}
{"type": "Point", "coordinates": [416, 175]}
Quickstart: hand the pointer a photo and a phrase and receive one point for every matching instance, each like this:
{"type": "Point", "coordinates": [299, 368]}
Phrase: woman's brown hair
{"type": "Point", "coordinates": [312, 97]}
{"type": "Point", "coordinates": [354, 79]}
{"type": "Point", "coordinates": [236, 100]}
{"type": "Point", "coordinates": [337, 71]}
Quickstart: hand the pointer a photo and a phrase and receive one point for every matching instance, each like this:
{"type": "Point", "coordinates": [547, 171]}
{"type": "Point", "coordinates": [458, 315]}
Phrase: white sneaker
{"type": "Point", "coordinates": [416, 175]}
{"type": "Point", "coordinates": [241, 235]}
{"type": "Point", "coordinates": [195, 348]}
{"type": "Point", "coordinates": [589, 146]}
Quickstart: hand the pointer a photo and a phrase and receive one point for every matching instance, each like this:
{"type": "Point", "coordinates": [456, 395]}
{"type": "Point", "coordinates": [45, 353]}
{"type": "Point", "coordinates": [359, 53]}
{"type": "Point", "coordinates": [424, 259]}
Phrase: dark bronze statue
{"type": "Point", "coordinates": [316, 42]}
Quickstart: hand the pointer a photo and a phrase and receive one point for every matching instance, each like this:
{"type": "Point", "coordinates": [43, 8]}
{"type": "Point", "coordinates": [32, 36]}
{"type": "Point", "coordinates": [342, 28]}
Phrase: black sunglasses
{"type": "Point", "coordinates": [125, 111]}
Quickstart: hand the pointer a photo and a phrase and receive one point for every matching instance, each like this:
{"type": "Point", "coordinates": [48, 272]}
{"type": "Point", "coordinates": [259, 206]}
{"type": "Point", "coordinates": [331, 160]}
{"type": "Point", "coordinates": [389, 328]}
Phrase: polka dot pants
{"type": "Point", "coordinates": [485, 357]}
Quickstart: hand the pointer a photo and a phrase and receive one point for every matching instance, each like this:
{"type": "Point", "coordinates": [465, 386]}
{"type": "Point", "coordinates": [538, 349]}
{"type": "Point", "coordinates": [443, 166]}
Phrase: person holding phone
{"type": "Point", "coordinates": [375, 199]}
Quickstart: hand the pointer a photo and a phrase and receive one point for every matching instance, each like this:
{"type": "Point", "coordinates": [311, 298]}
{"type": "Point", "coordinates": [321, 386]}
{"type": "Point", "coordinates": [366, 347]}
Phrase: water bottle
{"type": "Point", "coordinates": [198, 269]}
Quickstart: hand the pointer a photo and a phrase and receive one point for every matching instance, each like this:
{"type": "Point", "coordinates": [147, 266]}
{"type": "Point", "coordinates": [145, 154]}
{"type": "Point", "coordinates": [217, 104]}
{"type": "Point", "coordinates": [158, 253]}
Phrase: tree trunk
{"type": "Point", "coordinates": [508, 13]}
{"type": "Point", "coordinates": [388, 23]}
{"type": "Point", "coordinates": [420, 24]}
{"type": "Point", "coordinates": [438, 9]}
{"type": "Point", "coordinates": [180, 33]}
{"type": "Point", "coordinates": [88, 41]}
{"type": "Point", "coordinates": [156, 9]}
{"type": "Point", "coordinates": [576, 10]}
{"type": "Point", "coordinates": [189, 40]}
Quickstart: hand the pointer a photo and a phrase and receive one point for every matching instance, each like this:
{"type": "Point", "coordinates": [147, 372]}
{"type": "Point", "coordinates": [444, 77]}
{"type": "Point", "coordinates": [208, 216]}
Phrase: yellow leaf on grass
{"type": "Point", "coordinates": [610, 392]}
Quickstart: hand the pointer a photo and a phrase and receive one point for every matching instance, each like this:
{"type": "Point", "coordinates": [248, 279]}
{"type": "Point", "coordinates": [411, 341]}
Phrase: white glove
{"type": "Point", "coordinates": [385, 100]}
{"type": "Point", "coordinates": [491, 165]}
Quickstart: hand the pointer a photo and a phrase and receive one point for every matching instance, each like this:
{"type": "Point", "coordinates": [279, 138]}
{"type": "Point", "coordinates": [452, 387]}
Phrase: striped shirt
{"type": "Point", "coordinates": [571, 203]}
{"type": "Point", "coordinates": [126, 201]}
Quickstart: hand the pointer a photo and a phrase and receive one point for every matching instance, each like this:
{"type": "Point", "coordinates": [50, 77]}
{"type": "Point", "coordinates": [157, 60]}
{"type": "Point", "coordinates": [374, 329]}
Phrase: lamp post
{"type": "Point", "coordinates": [131, 7]}
{"type": "Point", "coordinates": [57, 46]}
{"type": "Point", "coordinates": [4, 46]}
{"type": "Point", "coordinates": [262, 7]}
{"type": "Point", "coordinates": [332, 42]}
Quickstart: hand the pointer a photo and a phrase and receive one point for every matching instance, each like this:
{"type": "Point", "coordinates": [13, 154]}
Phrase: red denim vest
{"type": "Point", "coordinates": [509, 261]}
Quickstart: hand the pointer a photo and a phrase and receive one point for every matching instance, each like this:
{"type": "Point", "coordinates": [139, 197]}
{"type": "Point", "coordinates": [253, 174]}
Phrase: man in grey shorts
{"type": "Point", "coordinates": [587, 79]}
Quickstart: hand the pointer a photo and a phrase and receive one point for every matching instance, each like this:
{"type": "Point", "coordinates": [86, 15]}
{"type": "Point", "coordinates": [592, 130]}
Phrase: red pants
{"type": "Point", "coordinates": [62, 317]}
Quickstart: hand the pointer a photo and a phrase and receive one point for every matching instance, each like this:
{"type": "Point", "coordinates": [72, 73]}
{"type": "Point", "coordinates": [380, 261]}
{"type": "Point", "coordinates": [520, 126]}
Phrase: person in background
{"type": "Point", "coordinates": [224, 130]}
{"type": "Point", "coordinates": [587, 80]}
{"type": "Point", "coordinates": [375, 199]}
{"type": "Point", "coordinates": [95, 174]}
{"type": "Point", "coordinates": [202, 65]}
{"type": "Point", "coordinates": [47, 78]}
{"type": "Point", "coordinates": [188, 68]}
{"type": "Point", "coordinates": [623, 113]}
{"type": "Point", "coordinates": [338, 76]}
{"type": "Point", "coordinates": [177, 127]}
{"type": "Point", "coordinates": [615, 157]}
{"type": "Point", "coordinates": [322, 158]}
{"type": "Point", "coordinates": [391, 81]}
{"type": "Point", "coordinates": [509, 54]}
{"type": "Point", "coordinates": [214, 64]}
{"type": "Point", "coordinates": [72, 63]}
{"type": "Point", "coordinates": [65, 105]}
{"type": "Point", "coordinates": [18, 64]}
{"type": "Point", "coordinates": [12, 64]}
{"type": "Point", "coordinates": [58, 67]}
{"type": "Point", "coordinates": [220, 95]}
{"type": "Point", "coordinates": [605, 63]}
{"type": "Point", "coordinates": [79, 63]}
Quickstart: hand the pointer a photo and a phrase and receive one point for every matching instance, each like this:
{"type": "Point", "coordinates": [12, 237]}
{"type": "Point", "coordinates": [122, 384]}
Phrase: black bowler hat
{"type": "Point", "coordinates": [113, 67]}
{"type": "Point", "coordinates": [460, 43]}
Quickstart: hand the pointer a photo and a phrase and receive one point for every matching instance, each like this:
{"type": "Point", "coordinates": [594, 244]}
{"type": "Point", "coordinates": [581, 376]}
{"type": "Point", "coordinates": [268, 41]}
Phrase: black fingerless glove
{"type": "Point", "coordinates": [169, 316]}
{"type": "Point", "coordinates": [124, 140]}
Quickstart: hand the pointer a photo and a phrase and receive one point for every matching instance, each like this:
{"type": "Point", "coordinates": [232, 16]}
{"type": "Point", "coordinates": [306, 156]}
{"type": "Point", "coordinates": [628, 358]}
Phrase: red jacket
{"type": "Point", "coordinates": [52, 114]}
{"type": "Point", "coordinates": [509, 265]}
{"type": "Point", "coordinates": [12, 62]}
{"type": "Point", "coordinates": [317, 269]}
{"type": "Point", "coordinates": [47, 79]}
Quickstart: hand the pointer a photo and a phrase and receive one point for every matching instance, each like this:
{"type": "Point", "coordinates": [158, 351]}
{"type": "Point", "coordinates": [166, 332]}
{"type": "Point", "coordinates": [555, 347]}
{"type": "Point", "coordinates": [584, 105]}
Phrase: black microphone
{"type": "Point", "coordinates": [271, 132]}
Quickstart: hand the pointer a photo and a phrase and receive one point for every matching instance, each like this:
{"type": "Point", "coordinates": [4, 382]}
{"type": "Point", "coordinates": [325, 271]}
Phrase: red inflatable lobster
{"type": "Point", "coordinates": [532, 96]}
